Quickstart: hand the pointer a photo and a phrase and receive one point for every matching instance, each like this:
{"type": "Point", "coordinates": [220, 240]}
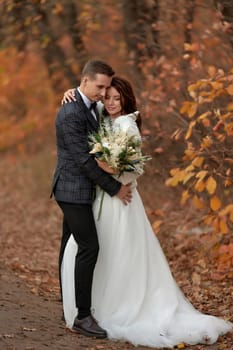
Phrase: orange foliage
{"type": "Point", "coordinates": [208, 165]}
{"type": "Point", "coordinates": [27, 105]}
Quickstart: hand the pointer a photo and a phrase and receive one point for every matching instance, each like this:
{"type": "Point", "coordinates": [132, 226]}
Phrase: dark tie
{"type": "Point", "coordinates": [93, 107]}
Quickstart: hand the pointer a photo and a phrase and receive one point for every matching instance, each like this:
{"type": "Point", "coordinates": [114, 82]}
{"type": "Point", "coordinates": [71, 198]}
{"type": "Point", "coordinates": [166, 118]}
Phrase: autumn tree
{"type": "Point", "coordinates": [206, 172]}
{"type": "Point", "coordinates": [164, 36]}
{"type": "Point", "coordinates": [43, 25]}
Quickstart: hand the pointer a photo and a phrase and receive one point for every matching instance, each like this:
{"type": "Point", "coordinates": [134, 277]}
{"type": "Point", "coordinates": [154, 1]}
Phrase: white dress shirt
{"type": "Point", "coordinates": [87, 102]}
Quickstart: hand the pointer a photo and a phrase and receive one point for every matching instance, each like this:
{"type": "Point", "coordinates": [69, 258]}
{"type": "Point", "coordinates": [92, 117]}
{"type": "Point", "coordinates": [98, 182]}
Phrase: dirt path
{"type": "Point", "coordinates": [33, 322]}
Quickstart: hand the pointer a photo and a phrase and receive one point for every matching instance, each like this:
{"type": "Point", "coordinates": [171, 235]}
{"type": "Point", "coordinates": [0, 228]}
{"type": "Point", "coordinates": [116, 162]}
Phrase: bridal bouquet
{"type": "Point", "coordinates": [120, 151]}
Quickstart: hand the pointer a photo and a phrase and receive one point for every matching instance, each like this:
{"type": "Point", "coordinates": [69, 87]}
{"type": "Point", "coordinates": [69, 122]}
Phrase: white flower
{"type": "Point", "coordinates": [97, 148]}
{"type": "Point", "coordinates": [106, 144]}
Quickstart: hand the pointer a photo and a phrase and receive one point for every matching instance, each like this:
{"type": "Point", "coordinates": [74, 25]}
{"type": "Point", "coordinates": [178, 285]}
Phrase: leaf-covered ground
{"type": "Point", "coordinates": [31, 312]}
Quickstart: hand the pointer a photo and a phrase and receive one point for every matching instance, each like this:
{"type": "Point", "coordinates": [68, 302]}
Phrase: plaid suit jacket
{"type": "Point", "coordinates": [77, 172]}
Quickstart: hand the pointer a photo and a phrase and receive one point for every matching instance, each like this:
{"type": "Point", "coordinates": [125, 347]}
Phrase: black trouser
{"type": "Point", "coordinates": [78, 220]}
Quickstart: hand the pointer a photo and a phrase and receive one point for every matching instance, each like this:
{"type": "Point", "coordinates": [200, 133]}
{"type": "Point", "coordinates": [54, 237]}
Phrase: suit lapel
{"type": "Point", "coordinates": [85, 110]}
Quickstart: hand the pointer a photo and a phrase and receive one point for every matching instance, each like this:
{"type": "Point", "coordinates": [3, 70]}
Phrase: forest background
{"type": "Point", "coordinates": [179, 57]}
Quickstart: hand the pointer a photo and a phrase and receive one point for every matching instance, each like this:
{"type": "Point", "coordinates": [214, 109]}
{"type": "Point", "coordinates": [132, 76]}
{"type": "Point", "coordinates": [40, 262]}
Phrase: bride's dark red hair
{"type": "Point", "coordinates": [128, 99]}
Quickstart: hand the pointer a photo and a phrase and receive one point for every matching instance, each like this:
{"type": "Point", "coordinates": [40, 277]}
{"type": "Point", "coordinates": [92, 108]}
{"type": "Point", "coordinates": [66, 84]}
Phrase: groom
{"type": "Point", "coordinates": [74, 182]}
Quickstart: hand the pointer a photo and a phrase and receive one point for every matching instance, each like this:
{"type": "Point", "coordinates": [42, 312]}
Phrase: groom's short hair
{"type": "Point", "coordinates": [94, 67]}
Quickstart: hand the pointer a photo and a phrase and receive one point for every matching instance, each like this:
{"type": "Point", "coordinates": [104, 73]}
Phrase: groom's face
{"type": "Point", "coordinates": [95, 87]}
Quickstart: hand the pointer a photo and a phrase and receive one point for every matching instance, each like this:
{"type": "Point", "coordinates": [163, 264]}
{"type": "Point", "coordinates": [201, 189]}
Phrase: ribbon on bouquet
{"type": "Point", "coordinates": [101, 205]}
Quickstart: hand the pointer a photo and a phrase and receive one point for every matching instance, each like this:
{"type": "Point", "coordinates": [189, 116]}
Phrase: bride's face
{"type": "Point", "coordinates": [112, 102]}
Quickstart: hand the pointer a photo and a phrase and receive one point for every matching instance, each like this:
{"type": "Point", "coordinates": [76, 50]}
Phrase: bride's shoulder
{"type": "Point", "coordinates": [128, 123]}
{"type": "Point", "coordinates": [128, 118]}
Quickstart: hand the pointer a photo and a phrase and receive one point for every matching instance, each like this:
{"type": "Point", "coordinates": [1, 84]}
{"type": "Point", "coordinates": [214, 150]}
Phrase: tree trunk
{"type": "Point", "coordinates": [70, 19]}
{"type": "Point", "coordinates": [12, 25]}
{"type": "Point", "coordinates": [226, 8]}
{"type": "Point", "coordinates": [189, 19]}
{"type": "Point", "coordinates": [141, 31]}
{"type": "Point", "coordinates": [54, 56]}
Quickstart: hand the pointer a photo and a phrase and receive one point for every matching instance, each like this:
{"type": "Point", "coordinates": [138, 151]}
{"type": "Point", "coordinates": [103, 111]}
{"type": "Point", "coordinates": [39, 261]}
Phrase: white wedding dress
{"type": "Point", "coordinates": [135, 297]}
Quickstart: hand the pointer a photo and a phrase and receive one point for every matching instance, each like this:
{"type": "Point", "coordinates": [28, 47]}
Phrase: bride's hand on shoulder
{"type": "Point", "coordinates": [69, 96]}
{"type": "Point", "coordinates": [104, 166]}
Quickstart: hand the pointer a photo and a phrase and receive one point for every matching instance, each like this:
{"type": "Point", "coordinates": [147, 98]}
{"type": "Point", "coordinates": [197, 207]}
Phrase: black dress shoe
{"type": "Point", "coordinates": [89, 327]}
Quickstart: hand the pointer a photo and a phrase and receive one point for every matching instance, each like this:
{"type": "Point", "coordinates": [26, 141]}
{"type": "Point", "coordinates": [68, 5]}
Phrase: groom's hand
{"type": "Point", "coordinates": [125, 194]}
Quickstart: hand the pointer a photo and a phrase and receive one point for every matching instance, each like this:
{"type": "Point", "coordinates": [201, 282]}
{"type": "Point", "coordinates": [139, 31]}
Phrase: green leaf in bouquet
{"type": "Point", "coordinates": [106, 151]}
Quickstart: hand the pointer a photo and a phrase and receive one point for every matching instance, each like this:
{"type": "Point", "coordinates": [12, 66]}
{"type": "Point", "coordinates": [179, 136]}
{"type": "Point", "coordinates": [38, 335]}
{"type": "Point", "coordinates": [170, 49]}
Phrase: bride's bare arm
{"type": "Point", "coordinates": [69, 96]}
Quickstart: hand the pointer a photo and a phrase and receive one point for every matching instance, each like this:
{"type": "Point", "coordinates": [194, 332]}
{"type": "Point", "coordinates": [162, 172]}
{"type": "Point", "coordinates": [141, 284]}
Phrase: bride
{"type": "Point", "coordinates": [134, 295]}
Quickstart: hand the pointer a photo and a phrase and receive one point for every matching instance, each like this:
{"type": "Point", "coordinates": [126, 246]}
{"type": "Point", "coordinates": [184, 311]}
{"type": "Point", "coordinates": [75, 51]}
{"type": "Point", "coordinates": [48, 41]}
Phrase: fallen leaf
{"type": "Point", "coordinates": [158, 150]}
{"type": "Point", "coordinates": [196, 278]}
{"type": "Point", "coordinates": [8, 335]}
{"type": "Point", "coordinates": [29, 329]}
